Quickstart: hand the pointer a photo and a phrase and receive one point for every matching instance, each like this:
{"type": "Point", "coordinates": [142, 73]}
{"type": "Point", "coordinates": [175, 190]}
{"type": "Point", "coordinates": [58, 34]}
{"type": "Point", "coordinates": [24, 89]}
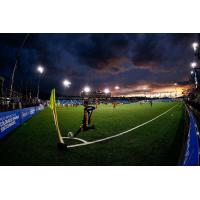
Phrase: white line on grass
{"type": "Point", "coordinates": [75, 138]}
{"type": "Point", "coordinates": [122, 133]}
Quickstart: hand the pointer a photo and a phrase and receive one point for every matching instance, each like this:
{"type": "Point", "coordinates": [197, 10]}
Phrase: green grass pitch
{"type": "Point", "coordinates": [157, 143]}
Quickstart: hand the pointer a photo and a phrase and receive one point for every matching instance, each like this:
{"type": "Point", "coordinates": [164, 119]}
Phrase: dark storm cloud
{"type": "Point", "coordinates": [117, 53]}
{"type": "Point", "coordinates": [98, 59]}
{"type": "Point", "coordinates": [101, 49]}
{"type": "Point", "coordinates": [162, 52]}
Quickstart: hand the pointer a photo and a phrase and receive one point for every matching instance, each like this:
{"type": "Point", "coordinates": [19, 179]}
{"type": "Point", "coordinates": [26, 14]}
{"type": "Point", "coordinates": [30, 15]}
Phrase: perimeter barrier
{"type": "Point", "coordinates": [191, 151]}
{"type": "Point", "coordinates": [11, 119]}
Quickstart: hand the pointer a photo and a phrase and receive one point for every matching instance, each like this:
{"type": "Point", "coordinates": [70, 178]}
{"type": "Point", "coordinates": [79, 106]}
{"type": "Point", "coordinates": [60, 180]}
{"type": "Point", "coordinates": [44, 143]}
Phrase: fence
{"type": "Point", "coordinates": [191, 153]}
{"type": "Point", "coordinates": [11, 119]}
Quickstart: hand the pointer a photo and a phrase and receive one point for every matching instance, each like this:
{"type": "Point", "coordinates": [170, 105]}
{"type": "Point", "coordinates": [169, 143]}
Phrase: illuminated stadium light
{"type": "Point", "coordinates": [116, 87]}
{"type": "Point", "coordinates": [195, 45]}
{"type": "Point", "coordinates": [175, 84]}
{"type": "Point", "coordinates": [66, 83]}
{"type": "Point", "coordinates": [193, 64]}
{"type": "Point", "coordinates": [40, 69]}
{"type": "Point", "coordinates": [106, 91]}
{"type": "Point", "coordinates": [192, 72]}
{"type": "Point", "coordinates": [87, 89]}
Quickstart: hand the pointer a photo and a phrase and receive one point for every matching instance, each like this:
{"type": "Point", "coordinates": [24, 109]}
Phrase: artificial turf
{"type": "Point", "coordinates": [157, 143]}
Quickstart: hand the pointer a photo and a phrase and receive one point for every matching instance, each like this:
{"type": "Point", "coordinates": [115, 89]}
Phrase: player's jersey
{"type": "Point", "coordinates": [88, 112]}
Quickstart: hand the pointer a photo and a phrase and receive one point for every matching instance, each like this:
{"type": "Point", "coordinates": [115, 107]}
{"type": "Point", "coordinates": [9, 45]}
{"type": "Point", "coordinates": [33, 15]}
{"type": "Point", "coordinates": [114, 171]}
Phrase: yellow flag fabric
{"type": "Point", "coordinates": [52, 99]}
{"type": "Point", "coordinates": [52, 105]}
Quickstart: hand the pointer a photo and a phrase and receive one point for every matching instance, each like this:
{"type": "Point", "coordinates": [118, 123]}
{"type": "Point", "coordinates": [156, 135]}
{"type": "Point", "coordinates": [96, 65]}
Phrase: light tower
{"type": "Point", "coordinates": [66, 83]}
{"type": "Point", "coordinates": [16, 64]}
{"type": "Point", "coordinates": [40, 70]}
{"type": "Point", "coordinates": [175, 85]}
{"type": "Point", "coordinates": [195, 73]}
{"type": "Point", "coordinates": [87, 89]}
{"type": "Point", "coordinates": [117, 87]}
{"type": "Point", "coordinates": [107, 92]}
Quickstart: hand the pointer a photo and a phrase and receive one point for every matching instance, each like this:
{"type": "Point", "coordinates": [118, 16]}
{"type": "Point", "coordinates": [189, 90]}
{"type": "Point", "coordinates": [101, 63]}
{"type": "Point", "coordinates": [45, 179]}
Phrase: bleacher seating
{"type": "Point", "coordinates": [69, 102]}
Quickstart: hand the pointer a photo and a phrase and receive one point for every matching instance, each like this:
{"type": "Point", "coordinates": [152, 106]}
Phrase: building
{"type": "Point", "coordinates": [96, 94]}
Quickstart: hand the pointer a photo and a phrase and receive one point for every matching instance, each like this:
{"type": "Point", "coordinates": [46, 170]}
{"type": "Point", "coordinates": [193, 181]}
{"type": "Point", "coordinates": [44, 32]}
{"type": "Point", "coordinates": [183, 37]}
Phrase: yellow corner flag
{"type": "Point", "coordinates": [52, 105]}
{"type": "Point", "coordinates": [52, 99]}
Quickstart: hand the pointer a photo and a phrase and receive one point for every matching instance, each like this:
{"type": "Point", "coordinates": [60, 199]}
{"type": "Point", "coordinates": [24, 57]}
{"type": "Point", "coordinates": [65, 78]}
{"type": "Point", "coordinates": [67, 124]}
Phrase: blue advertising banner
{"type": "Point", "coordinates": [10, 120]}
{"type": "Point", "coordinates": [27, 113]}
{"type": "Point", "coordinates": [191, 155]}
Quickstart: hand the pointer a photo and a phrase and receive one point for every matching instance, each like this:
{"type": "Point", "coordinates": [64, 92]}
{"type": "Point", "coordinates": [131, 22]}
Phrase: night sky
{"type": "Point", "coordinates": [135, 62]}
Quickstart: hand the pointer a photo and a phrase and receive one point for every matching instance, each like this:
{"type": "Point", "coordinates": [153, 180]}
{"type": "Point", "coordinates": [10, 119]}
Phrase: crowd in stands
{"type": "Point", "coordinates": [77, 102]}
{"type": "Point", "coordinates": [194, 104]}
{"type": "Point", "coordinates": [69, 102]}
{"type": "Point", "coordinates": [92, 101]}
{"type": "Point", "coordinates": [8, 104]}
{"type": "Point", "coordinates": [194, 100]}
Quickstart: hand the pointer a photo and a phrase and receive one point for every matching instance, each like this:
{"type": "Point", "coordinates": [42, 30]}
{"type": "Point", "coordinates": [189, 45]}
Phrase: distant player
{"type": "Point", "coordinates": [85, 125]}
{"type": "Point", "coordinates": [151, 103]}
{"type": "Point", "coordinates": [114, 104]}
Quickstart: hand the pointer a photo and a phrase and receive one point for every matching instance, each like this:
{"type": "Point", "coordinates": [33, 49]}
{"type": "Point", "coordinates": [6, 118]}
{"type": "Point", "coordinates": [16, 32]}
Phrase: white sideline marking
{"type": "Point", "coordinates": [75, 138]}
{"type": "Point", "coordinates": [122, 133]}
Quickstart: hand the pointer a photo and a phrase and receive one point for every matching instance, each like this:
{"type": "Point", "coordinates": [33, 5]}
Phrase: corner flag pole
{"type": "Point", "coordinates": [53, 108]}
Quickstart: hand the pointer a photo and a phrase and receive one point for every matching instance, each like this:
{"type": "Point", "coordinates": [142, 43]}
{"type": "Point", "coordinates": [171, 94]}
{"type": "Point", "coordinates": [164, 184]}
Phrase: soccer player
{"type": "Point", "coordinates": [114, 104]}
{"type": "Point", "coordinates": [86, 118]}
{"type": "Point", "coordinates": [151, 103]}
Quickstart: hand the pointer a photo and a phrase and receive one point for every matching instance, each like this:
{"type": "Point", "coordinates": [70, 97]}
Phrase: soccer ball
{"type": "Point", "coordinates": [70, 134]}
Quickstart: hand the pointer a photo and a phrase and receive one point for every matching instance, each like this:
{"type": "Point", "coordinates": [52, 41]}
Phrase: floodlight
{"type": "Point", "coordinates": [192, 72]}
{"type": "Point", "coordinates": [40, 69]}
{"type": "Point", "coordinates": [116, 87]}
{"type": "Point", "coordinates": [106, 90]}
{"type": "Point", "coordinates": [175, 84]}
{"type": "Point", "coordinates": [66, 83]}
{"type": "Point", "coordinates": [193, 64]}
{"type": "Point", "coordinates": [87, 89]}
{"type": "Point", "coordinates": [195, 45]}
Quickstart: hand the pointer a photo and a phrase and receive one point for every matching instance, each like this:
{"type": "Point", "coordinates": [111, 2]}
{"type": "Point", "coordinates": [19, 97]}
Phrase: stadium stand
{"type": "Point", "coordinates": [18, 101]}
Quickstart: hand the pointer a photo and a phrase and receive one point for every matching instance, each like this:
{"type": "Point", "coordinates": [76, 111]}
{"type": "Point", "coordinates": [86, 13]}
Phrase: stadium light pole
{"type": "Point", "coordinates": [145, 94]}
{"type": "Point", "coordinates": [87, 89]}
{"type": "Point", "coordinates": [193, 65]}
{"type": "Point", "coordinates": [195, 46]}
{"type": "Point", "coordinates": [117, 87]}
{"type": "Point", "coordinates": [16, 64]}
{"type": "Point", "coordinates": [175, 85]}
{"type": "Point", "coordinates": [40, 70]}
{"type": "Point", "coordinates": [66, 83]}
{"type": "Point", "coordinates": [194, 72]}
{"type": "Point", "coordinates": [106, 91]}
